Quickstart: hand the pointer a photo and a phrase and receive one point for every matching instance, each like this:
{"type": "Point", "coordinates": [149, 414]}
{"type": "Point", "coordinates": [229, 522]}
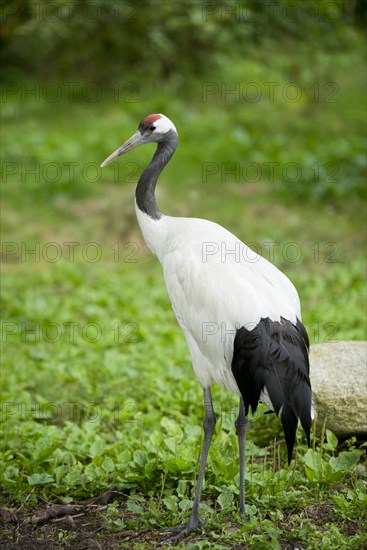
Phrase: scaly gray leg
{"type": "Point", "coordinates": [209, 425]}
{"type": "Point", "coordinates": [241, 424]}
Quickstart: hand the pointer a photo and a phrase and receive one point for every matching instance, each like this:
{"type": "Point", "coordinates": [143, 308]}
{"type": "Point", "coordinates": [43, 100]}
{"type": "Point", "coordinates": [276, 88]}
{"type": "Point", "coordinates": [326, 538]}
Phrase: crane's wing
{"type": "Point", "coordinates": [241, 318]}
{"type": "Point", "coordinates": [213, 276]}
{"type": "Point", "coordinates": [274, 357]}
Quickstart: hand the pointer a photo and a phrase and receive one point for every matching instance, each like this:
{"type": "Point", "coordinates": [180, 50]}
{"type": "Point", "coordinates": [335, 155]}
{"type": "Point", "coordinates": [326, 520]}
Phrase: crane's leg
{"type": "Point", "coordinates": [241, 424]}
{"type": "Point", "coordinates": [209, 425]}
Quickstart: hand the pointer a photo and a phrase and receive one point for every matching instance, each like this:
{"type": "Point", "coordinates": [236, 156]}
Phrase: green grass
{"type": "Point", "coordinates": [97, 386]}
{"type": "Point", "coordinates": [114, 403]}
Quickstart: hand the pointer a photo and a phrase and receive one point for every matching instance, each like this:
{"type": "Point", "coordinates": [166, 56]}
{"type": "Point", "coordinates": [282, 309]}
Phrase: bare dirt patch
{"type": "Point", "coordinates": [76, 526]}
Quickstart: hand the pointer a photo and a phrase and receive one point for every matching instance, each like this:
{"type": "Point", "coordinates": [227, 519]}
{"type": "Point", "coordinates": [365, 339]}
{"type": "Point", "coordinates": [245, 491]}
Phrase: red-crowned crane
{"type": "Point", "coordinates": [240, 315]}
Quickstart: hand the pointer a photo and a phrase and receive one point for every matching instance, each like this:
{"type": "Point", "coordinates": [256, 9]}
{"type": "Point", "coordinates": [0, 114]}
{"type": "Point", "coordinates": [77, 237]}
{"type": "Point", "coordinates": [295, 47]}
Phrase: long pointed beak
{"type": "Point", "coordinates": [135, 140]}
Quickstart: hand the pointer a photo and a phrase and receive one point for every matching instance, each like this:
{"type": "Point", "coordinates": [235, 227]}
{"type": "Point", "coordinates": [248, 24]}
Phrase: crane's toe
{"type": "Point", "coordinates": [181, 531]}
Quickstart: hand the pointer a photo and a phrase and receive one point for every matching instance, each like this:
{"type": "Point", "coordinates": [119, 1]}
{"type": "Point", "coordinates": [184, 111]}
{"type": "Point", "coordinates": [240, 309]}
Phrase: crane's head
{"type": "Point", "coordinates": [153, 128]}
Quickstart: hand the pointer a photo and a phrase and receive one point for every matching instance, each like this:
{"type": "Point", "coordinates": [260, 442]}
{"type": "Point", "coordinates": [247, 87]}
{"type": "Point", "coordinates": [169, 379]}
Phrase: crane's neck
{"type": "Point", "coordinates": [145, 190]}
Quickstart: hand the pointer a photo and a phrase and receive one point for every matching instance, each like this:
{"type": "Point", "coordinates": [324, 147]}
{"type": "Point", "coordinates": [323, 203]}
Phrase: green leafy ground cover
{"type": "Point", "coordinates": [97, 387]}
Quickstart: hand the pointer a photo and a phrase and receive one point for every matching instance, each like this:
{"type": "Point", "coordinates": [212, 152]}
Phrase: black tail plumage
{"type": "Point", "coordinates": [274, 356]}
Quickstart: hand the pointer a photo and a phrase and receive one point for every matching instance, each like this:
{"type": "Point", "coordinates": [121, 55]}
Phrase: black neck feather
{"type": "Point", "coordinates": [145, 191]}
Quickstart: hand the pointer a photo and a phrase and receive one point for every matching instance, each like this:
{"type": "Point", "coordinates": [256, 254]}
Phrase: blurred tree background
{"type": "Point", "coordinates": [103, 40]}
{"type": "Point", "coordinates": [238, 59]}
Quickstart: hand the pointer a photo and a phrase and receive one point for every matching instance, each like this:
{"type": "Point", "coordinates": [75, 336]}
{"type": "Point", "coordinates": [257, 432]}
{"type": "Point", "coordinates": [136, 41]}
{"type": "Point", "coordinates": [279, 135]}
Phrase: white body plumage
{"type": "Point", "coordinates": [216, 285]}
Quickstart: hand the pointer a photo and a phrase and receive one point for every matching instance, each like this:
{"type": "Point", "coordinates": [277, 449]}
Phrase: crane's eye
{"type": "Point", "coordinates": [152, 128]}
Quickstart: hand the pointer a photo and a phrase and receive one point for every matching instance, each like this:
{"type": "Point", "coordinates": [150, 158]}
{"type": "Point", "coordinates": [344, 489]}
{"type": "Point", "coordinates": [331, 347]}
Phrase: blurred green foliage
{"type": "Point", "coordinates": [276, 74]}
{"type": "Point", "coordinates": [89, 404]}
{"type": "Point", "coordinates": [104, 39]}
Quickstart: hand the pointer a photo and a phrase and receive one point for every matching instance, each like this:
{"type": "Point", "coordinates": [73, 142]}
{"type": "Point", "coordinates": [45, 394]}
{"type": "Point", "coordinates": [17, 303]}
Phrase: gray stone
{"type": "Point", "coordinates": [339, 385]}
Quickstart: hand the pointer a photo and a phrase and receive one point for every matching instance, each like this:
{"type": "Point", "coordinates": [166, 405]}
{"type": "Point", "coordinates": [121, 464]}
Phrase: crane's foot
{"type": "Point", "coordinates": [181, 531]}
